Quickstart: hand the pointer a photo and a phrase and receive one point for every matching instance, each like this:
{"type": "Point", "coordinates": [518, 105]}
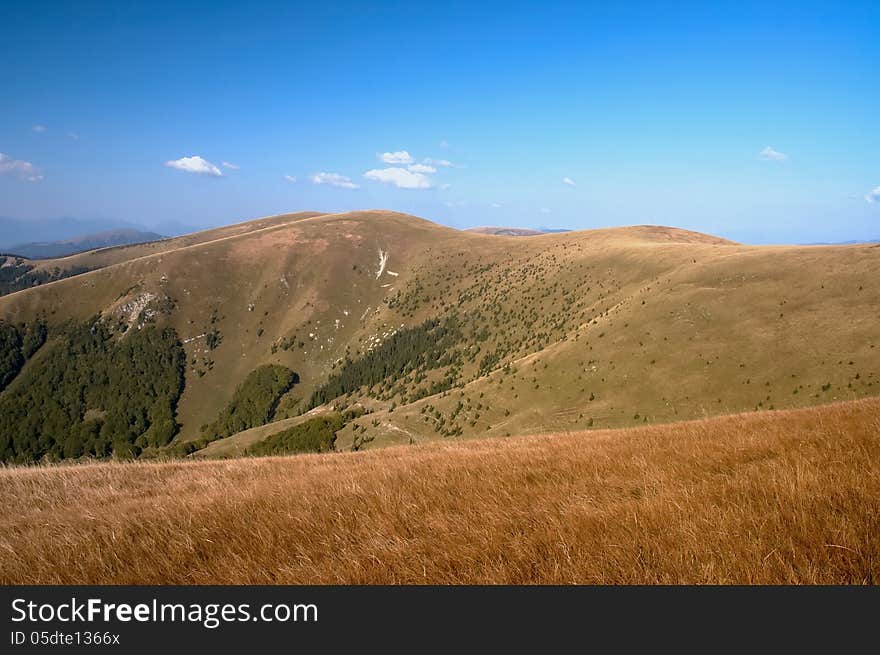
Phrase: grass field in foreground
{"type": "Point", "coordinates": [771, 497]}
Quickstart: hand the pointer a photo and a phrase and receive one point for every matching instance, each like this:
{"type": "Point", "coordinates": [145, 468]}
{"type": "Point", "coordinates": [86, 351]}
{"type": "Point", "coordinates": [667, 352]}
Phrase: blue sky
{"type": "Point", "coordinates": [654, 112]}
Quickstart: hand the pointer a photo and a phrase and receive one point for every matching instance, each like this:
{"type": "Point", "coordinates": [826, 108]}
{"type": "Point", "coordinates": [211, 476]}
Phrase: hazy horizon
{"type": "Point", "coordinates": [750, 122]}
{"type": "Point", "coordinates": [93, 226]}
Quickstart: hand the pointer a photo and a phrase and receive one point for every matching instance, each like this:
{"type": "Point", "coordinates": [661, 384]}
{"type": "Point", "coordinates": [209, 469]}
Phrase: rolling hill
{"type": "Point", "coordinates": [421, 332]}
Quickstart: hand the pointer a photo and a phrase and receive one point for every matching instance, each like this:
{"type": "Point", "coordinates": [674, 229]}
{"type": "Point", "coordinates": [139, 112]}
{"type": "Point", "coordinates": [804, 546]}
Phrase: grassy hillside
{"type": "Point", "coordinates": [627, 330]}
{"type": "Point", "coordinates": [556, 332]}
{"type": "Point", "coordinates": [767, 497]}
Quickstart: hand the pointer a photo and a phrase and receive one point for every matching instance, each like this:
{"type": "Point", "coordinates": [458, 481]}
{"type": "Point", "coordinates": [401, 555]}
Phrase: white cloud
{"type": "Point", "coordinates": [873, 195]}
{"type": "Point", "coordinates": [230, 166]}
{"type": "Point", "coordinates": [291, 178]}
{"type": "Point", "coordinates": [333, 179]}
{"type": "Point", "coordinates": [399, 157]}
{"type": "Point", "coordinates": [73, 135]}
{"type": "Point", "coordinates": [421, 168]}
{"type": "Point", "coordinates": [496, 205]}
{"type": "Point", "coordinates": [195, 164]}
{"type": "Point", "coordinates": [39, 129]}
{"type": "Point", "coordinates": [454, 203]}
{"type": "Point", "coordinates": [23, 169]}
{"type": "Point", "coordinates": [400, 177]}
{"type": "Point", "coordinates": [437, 162]}
{"type": "Point", "coordinates": [568, 181]}
{"type": "Point", "coordinates": [444, 187]}
{"type": "Point", "coordinates": [544, 210]}
{"type": "Point", "coordinates": [444, 144]}
{"type": "Point", "coordinates": [772, 155]}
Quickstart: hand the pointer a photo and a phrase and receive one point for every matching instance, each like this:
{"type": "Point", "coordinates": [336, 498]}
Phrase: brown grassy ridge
{"type": "Point", "coordinates": [603, 328]}
{"type": "Point", "coordinates": [771, 497]}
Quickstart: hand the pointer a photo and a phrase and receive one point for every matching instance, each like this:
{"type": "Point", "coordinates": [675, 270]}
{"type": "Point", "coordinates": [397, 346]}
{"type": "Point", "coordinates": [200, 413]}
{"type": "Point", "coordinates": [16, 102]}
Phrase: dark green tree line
{"type": "Point", "coordinates": [254, 401]}
{"type": "Point", "coordinates": [424, 347]}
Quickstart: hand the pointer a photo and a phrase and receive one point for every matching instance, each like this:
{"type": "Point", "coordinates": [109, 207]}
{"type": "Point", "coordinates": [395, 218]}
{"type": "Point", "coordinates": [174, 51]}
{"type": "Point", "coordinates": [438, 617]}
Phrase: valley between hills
{"type": "Point", "coordinates": [336, 332]}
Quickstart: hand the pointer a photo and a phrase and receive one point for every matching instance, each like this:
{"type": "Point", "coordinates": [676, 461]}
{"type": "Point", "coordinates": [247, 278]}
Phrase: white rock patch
{"type": "Point", "coordinates": [383, 261]}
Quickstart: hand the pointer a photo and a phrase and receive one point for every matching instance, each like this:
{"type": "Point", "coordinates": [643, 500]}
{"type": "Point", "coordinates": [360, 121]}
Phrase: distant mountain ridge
{"type": "Point", "coordinates": [851, 242]}
{"type": "Point", "coordinates": [105, 239]}
{"type": "Point", "coordinates": [514, 231]}
{"type": "Point", "coordinates": [15, 231]}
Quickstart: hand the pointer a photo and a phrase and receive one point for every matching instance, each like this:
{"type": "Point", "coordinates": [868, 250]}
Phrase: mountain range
{"type": "Point", "coordinates": [15, 232]}
{"type": "Point", "coordinates": [63, 248]}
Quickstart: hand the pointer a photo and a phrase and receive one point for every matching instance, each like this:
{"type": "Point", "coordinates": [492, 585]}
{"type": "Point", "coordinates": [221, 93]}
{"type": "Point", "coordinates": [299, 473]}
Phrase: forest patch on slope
{"type": "Point", "coordinates": [94, 393]}
{"type": "Point", "coordinates": [253, 403]}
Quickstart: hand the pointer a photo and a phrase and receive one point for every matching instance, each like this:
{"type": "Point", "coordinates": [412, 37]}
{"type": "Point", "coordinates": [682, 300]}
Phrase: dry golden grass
{"type": "Point", "coordinates": [780, 497]}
